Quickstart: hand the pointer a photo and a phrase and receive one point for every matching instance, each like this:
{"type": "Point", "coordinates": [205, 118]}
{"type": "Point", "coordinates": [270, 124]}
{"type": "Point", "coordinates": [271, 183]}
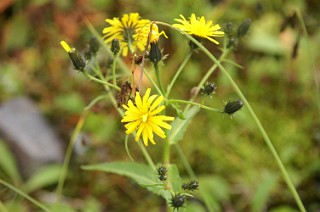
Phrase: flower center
{"type": "Point", "coordinates": [145, 117]}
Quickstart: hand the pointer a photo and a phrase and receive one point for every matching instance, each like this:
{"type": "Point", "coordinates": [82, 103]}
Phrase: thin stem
{"type": "Point", "coordinates": [67, 158]}
{"type": "Point", "coordinates": [156, 68]}
{"type": "Point", "coordinates": [94, 101]}
{"type": "Point", "coordinates": [177, 74]}
{"type": "Point", "coordinates": [114, 63]}
{"type": "Point", "coordinates": [166, 153]}
{"type": "Point", "coordinates": [101, 81]}
{"type": "Point", "coordinates": [18, 191]}
{"type": "Point", "coordinates": [152, 81]}
{"type": "Point", "coordinates": [147, 156]}
{"type": "Point", "coordinates": [194, 103]}
{"type": "Point", "coordinates": [255, 118]}
{"type": "Point", "coordinates": [185, 162]}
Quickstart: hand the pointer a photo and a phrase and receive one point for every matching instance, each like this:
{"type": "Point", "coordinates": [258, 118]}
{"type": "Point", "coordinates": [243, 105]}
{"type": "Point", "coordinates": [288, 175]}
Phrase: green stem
{"type": "Point", "coordinates": [166, 153]}
{"type": "Point", "coordinates": [94, 101]}
{"type": "Point", "coordinates": [152, 81]}
{"type": "Point", "coordinates": [114, 63]}
{"type": "Point", "coordinates": [34, 201]}
{"type": "Point", "coordinates": [156, 68]}
{"type": "Point", "coordinates": [67, 158]}
{"type": "Point", "coordinates": [147, 156]}
{"type": "Point", "coordinates": [185, 161]}
{"type": "Point", "coordinates": [255, 118]}
{"type": "Point", "coordinates": [101, 81]}
{"type": "Point", "coordinates": [177, 74]}
{"type": "Point", "coordinates": [194, 103]}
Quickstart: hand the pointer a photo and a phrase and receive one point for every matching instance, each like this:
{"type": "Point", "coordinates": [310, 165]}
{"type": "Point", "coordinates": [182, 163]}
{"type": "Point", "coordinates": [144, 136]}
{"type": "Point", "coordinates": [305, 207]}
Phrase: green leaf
{"type": "Point", "coordinates": [179, 126]}
{"type": "Point", "coordinates": [44, 177]}
{"type": "Point", "coordinates": [263, 192]}
{"type": "Point", "coordinates": [174, 177]}
{"type": "Point", "coordinates": [145, 176]}
{"type": "Point", "coordinates": [8, 163]}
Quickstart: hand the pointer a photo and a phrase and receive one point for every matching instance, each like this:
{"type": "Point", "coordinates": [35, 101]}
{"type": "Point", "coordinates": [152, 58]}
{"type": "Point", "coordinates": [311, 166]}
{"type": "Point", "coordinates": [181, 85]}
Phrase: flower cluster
{"type": "Point", "coordinates": [132, 32]}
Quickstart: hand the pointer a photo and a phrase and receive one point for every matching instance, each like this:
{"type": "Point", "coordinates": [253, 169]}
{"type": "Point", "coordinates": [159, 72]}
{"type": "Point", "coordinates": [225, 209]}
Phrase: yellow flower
{"type": "Point", "coordinates": [141, 36]}
{"type": "Point", "coordinates": [123, 29]}
{"type": "Point", "coordinates": [199, 27]}
{"type": "Point", "coordinates": [142, 117]}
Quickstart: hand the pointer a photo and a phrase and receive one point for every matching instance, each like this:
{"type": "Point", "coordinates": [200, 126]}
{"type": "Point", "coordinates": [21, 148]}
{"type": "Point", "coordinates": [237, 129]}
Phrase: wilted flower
{"type": "Point", "coordinates": [141, 36]}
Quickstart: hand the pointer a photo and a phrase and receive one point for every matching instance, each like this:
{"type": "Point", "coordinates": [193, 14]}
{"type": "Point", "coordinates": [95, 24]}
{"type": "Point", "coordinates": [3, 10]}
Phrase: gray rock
{"type": "Point", "coordinates": [29, 135]}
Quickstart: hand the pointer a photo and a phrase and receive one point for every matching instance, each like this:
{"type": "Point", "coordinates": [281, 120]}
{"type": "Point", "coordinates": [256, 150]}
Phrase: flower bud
{"type": "Point", "coordinates": [115, 46]}
{"type": "Point", "coordinates": [208, 89]}
{"type": "Point", "coordinates": [155, 53]}
{"type": "Point", "coordinates": [162, 173]}
{"type": "Point", "coordinates": [244, 27]}
{"type": "Point", "coordinates": [190, 186]}
{"type": "Point", "coordinates": [232, 107]}
{"type": "Point", "coordinates": [177, 201]}
{"type": "Point", "coordinates": [76, 59]}
{"type": "Point", "coordinates": [229, 29]}
{"type": "Point", "coordinates": [94, 45]}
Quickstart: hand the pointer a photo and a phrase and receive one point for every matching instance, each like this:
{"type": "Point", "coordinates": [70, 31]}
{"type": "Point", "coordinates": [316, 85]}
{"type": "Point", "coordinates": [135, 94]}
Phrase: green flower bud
{"type": "Point", "coordinates": [115, 46]}
{"type": "Point", "coordinates": [155, 53]}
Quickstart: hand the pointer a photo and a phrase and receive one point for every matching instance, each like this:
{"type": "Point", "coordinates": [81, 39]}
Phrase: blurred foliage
{"type": "Point", "coordinates": [235, 168]}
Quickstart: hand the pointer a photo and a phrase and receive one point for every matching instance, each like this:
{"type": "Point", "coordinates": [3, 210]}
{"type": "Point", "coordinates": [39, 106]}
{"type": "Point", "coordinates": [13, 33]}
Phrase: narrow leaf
{"type": "Point", "coordinates": [174, 178]}
{"type": "Point", "coordinates": [44, 177]}
{"type": "Point", "coordinates": [8, 163]}
{"type": "Point", "coordinates": [263, 192]}
{"type": "Point", "coordinates": [144, 175]}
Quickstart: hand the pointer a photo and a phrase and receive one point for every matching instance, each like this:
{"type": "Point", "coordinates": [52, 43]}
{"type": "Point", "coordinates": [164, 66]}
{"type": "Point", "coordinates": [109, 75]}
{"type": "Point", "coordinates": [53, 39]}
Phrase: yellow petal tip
{"type": "Point", "coordinates": [65, 46]}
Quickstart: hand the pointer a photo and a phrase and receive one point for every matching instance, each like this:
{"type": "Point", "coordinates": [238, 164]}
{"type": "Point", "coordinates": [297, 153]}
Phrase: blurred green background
{"type": "Point", "coordinates": [228, 155]}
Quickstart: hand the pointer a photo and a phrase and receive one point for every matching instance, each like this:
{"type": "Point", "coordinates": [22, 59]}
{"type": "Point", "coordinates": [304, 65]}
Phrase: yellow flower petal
{"type": "Point", "coordinates": [65, 46]}
{"type": "Point", "coordinates": [199, 27]}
